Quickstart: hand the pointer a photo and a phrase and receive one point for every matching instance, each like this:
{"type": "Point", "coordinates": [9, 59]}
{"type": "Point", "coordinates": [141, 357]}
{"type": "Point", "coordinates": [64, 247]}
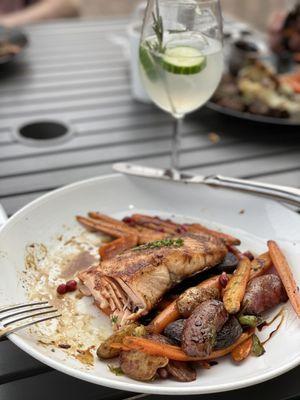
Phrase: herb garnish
{"type": "Point", "coordinates": [158, 28]}
{"type": "Point", "coordinates": [160, 243]}
{"type": "Point", "coordinates": [115, 370]}
{"type": "Point", "coordinates": [153, 45]}
{"type": "Point", "coordinates": [114, 319]}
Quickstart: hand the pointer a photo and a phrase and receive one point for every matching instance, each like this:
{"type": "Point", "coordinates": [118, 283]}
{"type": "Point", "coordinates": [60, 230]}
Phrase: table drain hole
{"type": "Point", "coordinates": [43, 133]}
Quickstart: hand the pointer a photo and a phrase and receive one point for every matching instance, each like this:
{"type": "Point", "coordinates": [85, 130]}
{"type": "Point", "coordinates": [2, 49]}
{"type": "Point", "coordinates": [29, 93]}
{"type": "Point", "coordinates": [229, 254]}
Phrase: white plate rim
{"type": "Point", "coordinates": [128, 386]}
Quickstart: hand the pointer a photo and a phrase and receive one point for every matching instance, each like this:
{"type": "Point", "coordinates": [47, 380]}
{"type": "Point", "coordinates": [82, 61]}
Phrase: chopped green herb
{"type": "Point", "coordinates": [114, 319]}
{"type": "Point", "coordinates": [160, 243]}
{"type": "Point", "coordinates": [115, 370]}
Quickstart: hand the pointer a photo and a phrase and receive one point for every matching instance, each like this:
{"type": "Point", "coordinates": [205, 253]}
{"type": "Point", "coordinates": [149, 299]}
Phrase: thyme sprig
{"type": "Point", "coordinates": [114, 319]}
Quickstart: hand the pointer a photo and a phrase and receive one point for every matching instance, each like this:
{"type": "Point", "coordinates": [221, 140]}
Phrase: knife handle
{"type": "Point", "coordinates": [282, 193]}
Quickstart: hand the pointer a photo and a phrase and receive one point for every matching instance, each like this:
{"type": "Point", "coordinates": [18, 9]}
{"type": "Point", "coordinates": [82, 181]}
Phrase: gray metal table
{"type": "Point", "coordinates": [75, 71]}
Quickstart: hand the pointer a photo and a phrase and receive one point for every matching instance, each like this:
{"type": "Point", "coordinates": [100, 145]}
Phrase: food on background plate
{"type": "Point", "coordinates": [217, 314]}
{"type": "Point", "coordinates": [292, 80]}
{"type": "Point", "coordinates": [258, 90]}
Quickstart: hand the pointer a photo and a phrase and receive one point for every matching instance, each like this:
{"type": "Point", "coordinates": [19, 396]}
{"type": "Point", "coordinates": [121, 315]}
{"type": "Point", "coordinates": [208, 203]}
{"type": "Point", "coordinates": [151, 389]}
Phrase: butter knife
{"type": "Point", "coordinates": [285, 194]}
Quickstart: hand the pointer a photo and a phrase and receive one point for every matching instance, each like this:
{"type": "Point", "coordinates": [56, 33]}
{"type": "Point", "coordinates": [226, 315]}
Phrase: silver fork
{"type": "Point", "coordinates": [30, 314]}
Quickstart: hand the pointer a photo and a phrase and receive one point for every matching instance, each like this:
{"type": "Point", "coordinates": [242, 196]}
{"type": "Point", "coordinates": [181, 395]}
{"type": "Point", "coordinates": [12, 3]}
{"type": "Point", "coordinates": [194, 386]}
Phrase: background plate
{"type": "Point", "coordinates": [253, 117]}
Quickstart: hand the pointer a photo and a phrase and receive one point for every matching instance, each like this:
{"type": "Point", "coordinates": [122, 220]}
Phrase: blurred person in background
{"type": "Point", "coordinates": [24, 12]}
{"type": "Point", "coordinates": [257, 12]}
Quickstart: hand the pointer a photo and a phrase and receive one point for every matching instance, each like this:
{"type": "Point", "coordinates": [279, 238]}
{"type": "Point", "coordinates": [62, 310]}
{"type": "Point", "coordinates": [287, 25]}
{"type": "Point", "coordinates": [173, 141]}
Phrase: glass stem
{"type": "Point", "coordinates": [176, 143]}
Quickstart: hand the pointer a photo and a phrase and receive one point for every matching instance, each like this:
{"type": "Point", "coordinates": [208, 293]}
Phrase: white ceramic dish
{"type": "Point", "coordinates": [118, 195]}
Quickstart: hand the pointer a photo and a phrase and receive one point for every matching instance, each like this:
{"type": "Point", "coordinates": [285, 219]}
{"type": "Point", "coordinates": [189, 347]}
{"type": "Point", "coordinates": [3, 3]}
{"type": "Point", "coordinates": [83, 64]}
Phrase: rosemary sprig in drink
{"type": "Point", "coordinates": [158, 28]}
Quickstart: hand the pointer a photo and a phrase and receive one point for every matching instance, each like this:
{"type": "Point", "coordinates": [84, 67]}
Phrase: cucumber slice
{"type": "Point", "coordinates": [148, 63]}
{"type": "Point", "coordinates": [183, 60]}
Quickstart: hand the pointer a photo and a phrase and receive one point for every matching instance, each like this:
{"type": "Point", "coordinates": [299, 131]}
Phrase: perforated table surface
{"type": "Point", "coordinates": [76, 72]}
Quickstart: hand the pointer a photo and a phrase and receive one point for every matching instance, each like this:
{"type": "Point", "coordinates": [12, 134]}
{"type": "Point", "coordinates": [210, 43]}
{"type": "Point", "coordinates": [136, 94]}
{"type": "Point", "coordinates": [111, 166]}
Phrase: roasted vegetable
{"type": "Point", "coordinates": [200, 330]}
{"type": "Point", "coordinates": [174, 331]}
{"type": "Point", "coordinates": [286, 275]}
{"type": "Point", "coordinates": [228, 265]}
{"type": "Point", "coordinates": [243, 350]}
{"type": "Point", "coordinates": [104, 351]}
{"type": "Point", "coordinates": [257, 347]}
{"type": "Point", "coordinates": [171, 313]}
{"type": "Point", "coordinates": [229, 334]}
{"type": "Point", "coordinates": [263, 293]}
{"type": "Point", "coordinates": [173, 352]}
{"type": "Point", "coordinates": [192, 297]}
{"type": "Point", "coordinates": [260, 265]}
{"type": "Point", "coordinates": [115, 370]}
{"type": "Point", "coordinates": [181, 371]}
{"type": "Point", "coordinates": [141, 366]}
{"type": "Point", "coordinates": [236, 287]}
{"type": "Point", "coordinates": [250, 320]}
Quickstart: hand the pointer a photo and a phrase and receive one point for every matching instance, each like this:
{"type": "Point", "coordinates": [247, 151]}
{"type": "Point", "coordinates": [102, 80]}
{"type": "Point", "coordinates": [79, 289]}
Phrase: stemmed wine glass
{"type": "Point", "coordinates": [180, 57]}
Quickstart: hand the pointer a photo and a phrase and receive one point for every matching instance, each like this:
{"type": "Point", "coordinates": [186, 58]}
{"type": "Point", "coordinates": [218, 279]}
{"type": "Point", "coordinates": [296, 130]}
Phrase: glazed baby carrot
{"type": "Point", "coordinates": [236, 287]}
{"type": "Point", "coordinates": [243, 350]}
{"type": "Point", "coordinates": [286, 275]}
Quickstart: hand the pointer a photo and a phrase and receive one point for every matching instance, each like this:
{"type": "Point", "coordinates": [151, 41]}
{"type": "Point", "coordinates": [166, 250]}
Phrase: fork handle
{"type": "Point", "coordinates": [282, 193]}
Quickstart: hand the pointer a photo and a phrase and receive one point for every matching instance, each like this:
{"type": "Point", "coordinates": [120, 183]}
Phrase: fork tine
{"type": "Point", "coordinates": [21, 305]}
{"type": "Point", "coordinates": [37, 321]}
{"type": "Point", "coordinates": [24, 311]}
{"type": "Point", "coordinates": [29, 316]}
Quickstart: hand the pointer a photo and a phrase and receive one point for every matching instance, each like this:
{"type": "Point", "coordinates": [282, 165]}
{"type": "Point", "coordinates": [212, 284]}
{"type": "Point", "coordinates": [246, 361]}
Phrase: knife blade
{"type": "Point", "coordinates": [157, 173]}
{"type": "Point", "coordinates": [285, 194]}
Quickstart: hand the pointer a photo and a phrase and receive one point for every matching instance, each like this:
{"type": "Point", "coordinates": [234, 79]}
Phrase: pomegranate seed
{"type": "Point", "coordinates": [223, 279]}
{"type": "Point", "coordinates": [161, 230]}
{"type": "Point", "coordinates": [127, 220]}
{"type": "Point", "coordinates": [62, 289]}
{"type": "Point", "coordinates": [71, 285]}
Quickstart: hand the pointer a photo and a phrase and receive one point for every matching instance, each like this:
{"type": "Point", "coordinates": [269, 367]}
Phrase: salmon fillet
{"type": "Point", "coordinates": [129, 285]}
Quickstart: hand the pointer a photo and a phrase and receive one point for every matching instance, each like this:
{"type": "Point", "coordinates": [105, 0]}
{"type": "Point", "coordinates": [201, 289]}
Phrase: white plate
{"type": "Point", "coordinates": [118, 195]}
